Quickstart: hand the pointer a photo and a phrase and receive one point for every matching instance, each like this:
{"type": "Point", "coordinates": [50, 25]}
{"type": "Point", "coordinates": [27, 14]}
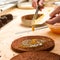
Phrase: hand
{"type": "Point", "coordinates": [55, 16]}
{"type": "Point", "coordinates": [55, 12]}
{"type": "Point", "coordinates": [34, 4]}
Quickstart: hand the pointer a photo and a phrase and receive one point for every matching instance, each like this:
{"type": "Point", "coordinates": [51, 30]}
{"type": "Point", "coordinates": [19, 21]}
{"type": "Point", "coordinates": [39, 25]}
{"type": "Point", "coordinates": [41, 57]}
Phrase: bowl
{"type": "Point", "coordinates": [27, 19]}
{"type": "Point", "coordinates": [24, 5]}
{"type": "Point", "coordinates": [55, 28]}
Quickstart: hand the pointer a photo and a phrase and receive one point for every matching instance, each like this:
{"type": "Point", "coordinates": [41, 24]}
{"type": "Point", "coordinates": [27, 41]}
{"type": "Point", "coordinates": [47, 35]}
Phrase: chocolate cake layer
{"type": "Point", "coordinates": [1, 24]}
{"type": "Point", "coordinates": [33, 43]}
{"type": "Point", "coordinates": [6, 18]}
{"type": "Point", "coordinates": [42, 55]}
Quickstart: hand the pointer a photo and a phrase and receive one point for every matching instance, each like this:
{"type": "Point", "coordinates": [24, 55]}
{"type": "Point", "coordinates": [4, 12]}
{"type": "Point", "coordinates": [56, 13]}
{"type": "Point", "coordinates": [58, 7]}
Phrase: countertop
{"type": "Point", "coordinates": [14, 30]}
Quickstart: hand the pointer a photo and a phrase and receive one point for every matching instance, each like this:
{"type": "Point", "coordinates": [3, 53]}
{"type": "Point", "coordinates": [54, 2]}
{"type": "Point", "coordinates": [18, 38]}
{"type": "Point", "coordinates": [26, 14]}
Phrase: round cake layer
{"type": "Point", "coordinates": [42, 55]}
{"type": "Point", "coordinates": [33, 43]}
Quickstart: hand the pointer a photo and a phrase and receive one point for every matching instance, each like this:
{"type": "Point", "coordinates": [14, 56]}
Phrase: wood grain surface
{"type": "Point", "coordinates": [14, 29]}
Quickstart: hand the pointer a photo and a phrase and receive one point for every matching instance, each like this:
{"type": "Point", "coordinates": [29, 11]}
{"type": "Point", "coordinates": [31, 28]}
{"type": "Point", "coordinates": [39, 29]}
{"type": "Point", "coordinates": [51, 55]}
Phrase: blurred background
{"type": "Point", "coordinates": [5, 4]}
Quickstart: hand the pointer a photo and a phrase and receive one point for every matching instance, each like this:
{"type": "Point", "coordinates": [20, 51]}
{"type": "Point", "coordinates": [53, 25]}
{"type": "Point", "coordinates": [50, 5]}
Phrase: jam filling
{"type": "Point", "coordinates": [32, 43]}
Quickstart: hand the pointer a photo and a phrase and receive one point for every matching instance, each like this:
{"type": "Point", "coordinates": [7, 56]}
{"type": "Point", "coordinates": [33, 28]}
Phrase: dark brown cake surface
{"type": "Point", "coordinates": [1, 24]}
{"type": "Point", "coordinates": [33, 43]}
{"type": "Point", "coordinates": [6, 18]}
{"type": "Point", "coordinates": [42, 55]}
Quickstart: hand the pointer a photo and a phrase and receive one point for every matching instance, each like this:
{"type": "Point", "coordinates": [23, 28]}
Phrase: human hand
{"type": "Point", "coordinates": [55, 16]}
{"type": "Point", "coordinates": [34, 4]}
{"type": "Point", "coordinates": [55, 12]}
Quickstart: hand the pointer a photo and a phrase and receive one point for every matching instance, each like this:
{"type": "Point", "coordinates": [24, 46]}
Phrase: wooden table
{"type": "Point", "coordinates": [14, 30]}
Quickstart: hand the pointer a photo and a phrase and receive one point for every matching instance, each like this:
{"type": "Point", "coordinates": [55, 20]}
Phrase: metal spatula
{"type": "Point", "coordinates": [35, 15]}
{"type": "Point", "coordinates": [37, 9]}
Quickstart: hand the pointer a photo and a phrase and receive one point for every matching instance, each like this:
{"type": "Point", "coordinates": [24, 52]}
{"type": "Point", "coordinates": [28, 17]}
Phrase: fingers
{"type": "Point", "coordinates": [54, 20]}
{"type": "Point", "coordinates": [56, 11]}
{"type": "Point", "coordinates": [34, 3]}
